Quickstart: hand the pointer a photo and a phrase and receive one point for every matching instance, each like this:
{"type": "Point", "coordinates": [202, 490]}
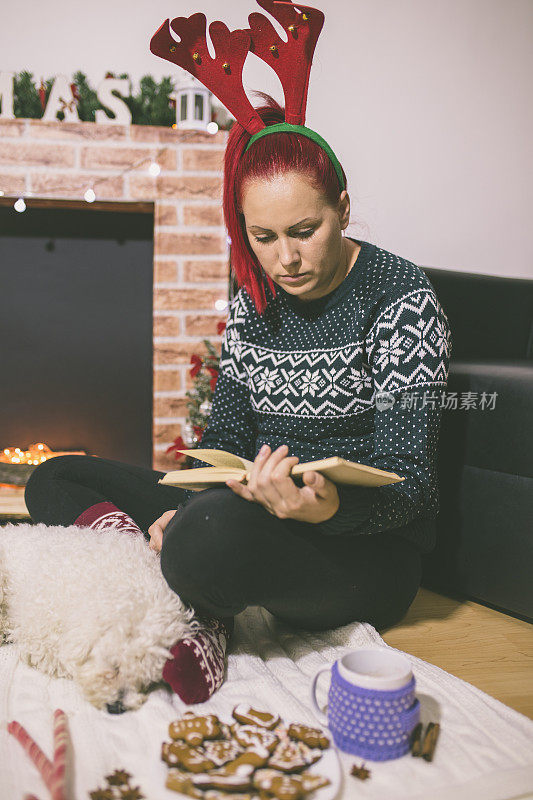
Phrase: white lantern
{"type": "Point", "coordinates": [193, 104]}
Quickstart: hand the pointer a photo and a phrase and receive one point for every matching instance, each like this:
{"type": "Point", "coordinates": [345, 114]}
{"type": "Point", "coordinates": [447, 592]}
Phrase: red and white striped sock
{"type": "Point", "coordinates": [107, 515]}
{"type": "Point", "coordinates": [196, 669]}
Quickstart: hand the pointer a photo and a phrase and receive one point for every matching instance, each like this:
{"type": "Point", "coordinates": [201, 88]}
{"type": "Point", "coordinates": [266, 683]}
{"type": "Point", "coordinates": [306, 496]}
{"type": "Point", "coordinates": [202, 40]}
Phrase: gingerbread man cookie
{"type": "Point", "coordinates": [170, 752]}
{"type": "Point", "coordinates": [195, 729]}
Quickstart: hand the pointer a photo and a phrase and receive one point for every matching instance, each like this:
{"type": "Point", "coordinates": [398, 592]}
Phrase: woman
{"type": "Point", "coordinates": [325, 339]}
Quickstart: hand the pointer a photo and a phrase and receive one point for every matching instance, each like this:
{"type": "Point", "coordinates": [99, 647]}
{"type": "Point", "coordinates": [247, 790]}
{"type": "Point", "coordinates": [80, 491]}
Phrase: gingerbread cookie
{"type": "Point", "coordinates": [221, 751]}
{"type": "Point", "coordinates": [170, 752]}
{"type": "Point", "coordinates": [226, 731]}
{"type": "Point", "coordinates": [254, 736]}
{"type": "Point", "coordinates": [255, 757]}
{"type": "Point", "coordinates": [312, 737]}
{"type": "Point", "coordinates": [287, 787]}
{"type": "Point", "coordinates": [181, 782]}
{"type": "Point", "coordinates": [276, 784]}
{"type": "Point", "coordinates": [238, 779]}
{"type": "Point", "coordinates": [247, 715]}
{"type": "Point", "coordinates": [195, 729]}
{"type": "Point", "coordinates": [194, 759]}
{"type": "Point", "coordinates": [312, 782]}
{"type": "Point", "coordinates": [218, 794]}
{"type": "Point", "coordinates": [290, 756]}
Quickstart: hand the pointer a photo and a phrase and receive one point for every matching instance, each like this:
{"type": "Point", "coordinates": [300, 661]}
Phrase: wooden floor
{"type": "Point", "coordinates": [491, 650]}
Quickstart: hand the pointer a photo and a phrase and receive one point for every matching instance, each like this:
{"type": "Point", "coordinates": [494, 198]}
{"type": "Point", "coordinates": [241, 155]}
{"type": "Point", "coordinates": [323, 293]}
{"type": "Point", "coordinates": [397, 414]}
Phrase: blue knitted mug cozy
{"type": "Point", "coordinates": [371, 723]}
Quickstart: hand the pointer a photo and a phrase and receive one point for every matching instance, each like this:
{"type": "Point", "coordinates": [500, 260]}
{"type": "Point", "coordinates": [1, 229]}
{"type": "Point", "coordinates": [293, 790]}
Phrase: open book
{"type": "Point", "coordinates": [227, 466]}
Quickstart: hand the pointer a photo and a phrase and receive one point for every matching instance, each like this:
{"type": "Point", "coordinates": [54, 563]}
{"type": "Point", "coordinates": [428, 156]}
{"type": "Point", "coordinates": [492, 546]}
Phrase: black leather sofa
{"type": "Point", "coordinates": [484, 545]}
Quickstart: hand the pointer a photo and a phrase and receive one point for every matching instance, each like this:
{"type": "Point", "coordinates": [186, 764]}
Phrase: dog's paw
{"type": "Point", "coordinates": [131, 700]}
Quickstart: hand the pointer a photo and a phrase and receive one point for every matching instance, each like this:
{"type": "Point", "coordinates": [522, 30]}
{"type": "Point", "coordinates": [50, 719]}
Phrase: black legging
{"type": "Point", "coordinates": [222, 553]}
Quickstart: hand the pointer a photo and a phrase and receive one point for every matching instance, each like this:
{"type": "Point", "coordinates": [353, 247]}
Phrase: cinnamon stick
{"type": "Point", "coordinates": [415, 742]}
{"type": "Point", "coordinates": [430, 741]}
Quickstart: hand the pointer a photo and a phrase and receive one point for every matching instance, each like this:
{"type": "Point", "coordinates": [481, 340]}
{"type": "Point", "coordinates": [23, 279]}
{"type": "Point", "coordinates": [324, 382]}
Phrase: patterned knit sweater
{"type": "Point", "coordinates": [359, 373]}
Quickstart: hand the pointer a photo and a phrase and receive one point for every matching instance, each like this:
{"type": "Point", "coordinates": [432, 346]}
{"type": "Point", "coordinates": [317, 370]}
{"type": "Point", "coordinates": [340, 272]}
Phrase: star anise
{"type": "Point", "coordinates": [131, 793]}
{"type": "Point", "coordinates": [360, 772]}
{"type": "Point", "coordinates": [118, 778]}
{"type": "Point", "coordinates": [102, 794]}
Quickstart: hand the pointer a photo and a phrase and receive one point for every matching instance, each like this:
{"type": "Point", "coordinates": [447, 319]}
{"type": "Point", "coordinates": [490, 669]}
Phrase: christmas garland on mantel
{"type": "Point", "coordinates": [151, 105]}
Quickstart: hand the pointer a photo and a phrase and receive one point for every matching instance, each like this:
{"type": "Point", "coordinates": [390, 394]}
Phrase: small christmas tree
{"type": "Point", "coordinates": [204, 370]}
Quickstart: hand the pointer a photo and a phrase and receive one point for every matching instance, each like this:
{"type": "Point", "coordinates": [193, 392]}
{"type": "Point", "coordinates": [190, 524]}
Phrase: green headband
{"type": "Point", "coordinates": [316, 137]}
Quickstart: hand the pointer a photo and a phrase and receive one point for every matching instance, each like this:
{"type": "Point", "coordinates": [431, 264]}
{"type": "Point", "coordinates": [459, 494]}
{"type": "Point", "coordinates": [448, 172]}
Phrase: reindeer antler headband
{"type": "Point", "coordinates": [222, 75]}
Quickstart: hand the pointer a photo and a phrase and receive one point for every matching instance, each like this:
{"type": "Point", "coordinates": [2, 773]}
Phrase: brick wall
{"type": "Point", "coordinates": [59, 160]}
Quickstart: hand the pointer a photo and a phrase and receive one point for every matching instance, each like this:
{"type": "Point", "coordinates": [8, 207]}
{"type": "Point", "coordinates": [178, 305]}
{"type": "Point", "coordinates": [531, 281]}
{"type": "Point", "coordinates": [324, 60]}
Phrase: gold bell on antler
{"type": "Point", "coordinates": [172, 48]}
{"type": "Point", "coordinates": [292, 28]}
{"type": "Point", "coordinates": [273, 49]}
{"type": "Point", "coordinates": [305, 17]}
{"type": "Point", "coordinates": [196, 56]}
{"type": "Point", "coordinates": [225, 66]}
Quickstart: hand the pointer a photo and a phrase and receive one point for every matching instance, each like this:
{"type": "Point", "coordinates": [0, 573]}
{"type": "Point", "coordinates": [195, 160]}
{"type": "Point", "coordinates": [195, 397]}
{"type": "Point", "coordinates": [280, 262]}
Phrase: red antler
{"type": "Point", "coordinates": [222, 75]}
{"type": "Point", "coordinates": [291, 60]}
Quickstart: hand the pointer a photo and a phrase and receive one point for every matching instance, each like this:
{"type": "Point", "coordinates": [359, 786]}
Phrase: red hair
{"type": "Point", "coordinates": [269, 156]}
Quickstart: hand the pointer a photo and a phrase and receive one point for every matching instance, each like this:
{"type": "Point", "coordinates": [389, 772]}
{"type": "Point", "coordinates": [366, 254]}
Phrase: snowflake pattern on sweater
{"type": "Point", "coordinates": [358, 373]}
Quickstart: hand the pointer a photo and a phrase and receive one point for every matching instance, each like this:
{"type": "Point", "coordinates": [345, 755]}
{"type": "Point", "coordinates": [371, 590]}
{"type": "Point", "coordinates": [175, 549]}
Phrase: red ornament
{"type": "Point", "coordinates": [198, 431]}
{"type": "Point", "coordinates": [214, 373]}
{"type": "Point", "coordinates": [197, 361]}
{"type": "Point", "coordinates": [179, 444]}
{"type": "Point", "coordinates": [220, 328]}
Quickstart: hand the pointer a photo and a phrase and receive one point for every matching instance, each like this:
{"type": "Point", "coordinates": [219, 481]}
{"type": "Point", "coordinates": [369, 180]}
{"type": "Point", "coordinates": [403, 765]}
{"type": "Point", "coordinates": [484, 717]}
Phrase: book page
{"type": "Point", "coordinates": [218, 458]}
{"type": "Point", "coordinates": [342, 471]}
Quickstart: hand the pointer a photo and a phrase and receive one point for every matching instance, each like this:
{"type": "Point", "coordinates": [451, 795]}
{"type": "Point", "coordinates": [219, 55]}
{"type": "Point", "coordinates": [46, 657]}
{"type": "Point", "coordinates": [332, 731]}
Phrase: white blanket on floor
{"type": "Point", "coordinates": [485, 749]}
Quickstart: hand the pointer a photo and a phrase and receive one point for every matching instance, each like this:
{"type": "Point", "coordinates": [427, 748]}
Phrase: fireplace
{"type": "Point", "coordinates": [76, 329]}
{"type": "Point", "coordinates": [107, 370]}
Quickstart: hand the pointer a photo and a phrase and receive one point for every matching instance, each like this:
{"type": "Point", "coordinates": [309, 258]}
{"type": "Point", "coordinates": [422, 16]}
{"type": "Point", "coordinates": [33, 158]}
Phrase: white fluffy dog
{"type": "Point", "coordinates": [89, 605]}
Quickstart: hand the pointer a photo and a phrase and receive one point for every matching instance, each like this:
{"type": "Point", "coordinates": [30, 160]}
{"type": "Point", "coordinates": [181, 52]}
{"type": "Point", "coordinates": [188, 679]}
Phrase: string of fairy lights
{"type": "Point", "coordinates": [90, 193]}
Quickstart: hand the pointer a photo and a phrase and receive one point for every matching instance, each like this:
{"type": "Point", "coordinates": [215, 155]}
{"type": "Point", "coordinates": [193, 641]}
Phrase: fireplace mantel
{"type": "Point", "coordinates": [53, 163]}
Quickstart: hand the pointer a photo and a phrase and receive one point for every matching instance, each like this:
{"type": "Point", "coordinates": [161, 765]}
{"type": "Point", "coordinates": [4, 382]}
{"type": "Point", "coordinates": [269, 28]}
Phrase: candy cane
{"type": "Point", "coordinates": [57, 787]}
{"type": "Point", "coordinates": [53, 774]}
{"type": "Point", "coordinates": [31, 747]}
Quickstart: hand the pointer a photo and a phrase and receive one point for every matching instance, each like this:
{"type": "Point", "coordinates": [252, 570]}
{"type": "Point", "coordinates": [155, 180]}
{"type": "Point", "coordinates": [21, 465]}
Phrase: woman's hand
{"type": "Point", "coordinates": [156, 530]}
{"type": "Point", "coordinates": [271, 485]}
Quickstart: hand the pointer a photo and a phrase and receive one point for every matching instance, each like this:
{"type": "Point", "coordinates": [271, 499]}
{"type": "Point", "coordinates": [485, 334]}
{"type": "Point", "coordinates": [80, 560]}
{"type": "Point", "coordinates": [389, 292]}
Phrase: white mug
{"type": "Point", "coordinates": [375, 668]}
{"type": "Point", "coordinates": [372, 707]}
